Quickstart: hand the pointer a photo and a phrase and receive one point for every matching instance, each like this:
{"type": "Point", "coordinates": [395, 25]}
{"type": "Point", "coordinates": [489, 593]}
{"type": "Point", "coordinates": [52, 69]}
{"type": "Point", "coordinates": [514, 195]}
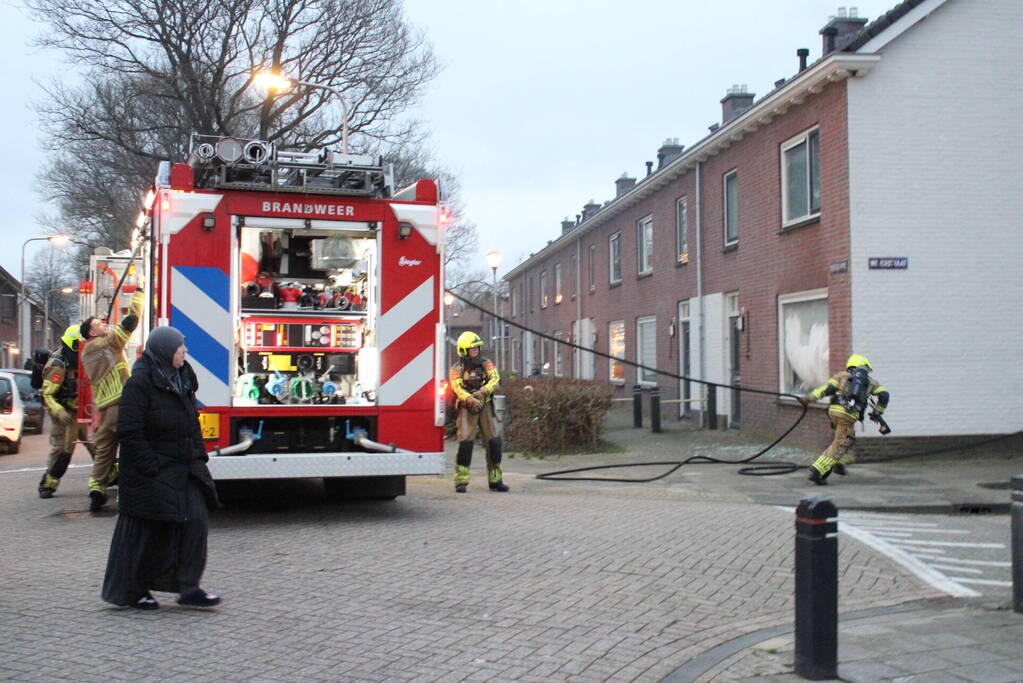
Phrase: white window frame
{"type": "Point", "coordinates": [575, 276]}
{"type": "Point", "coordinates": [557, 283]}
{"type": "Point", "coordinates": [682, 229]}
{"type": "Point", "coordinates": [611, 352]}
{"type": "Point", "coordinates": [728, 215]}
{"type": "Point", "coordinates": [644, 326]}
{"type": "Point", "coordinates": [645, 245]}
{"type": "Point", "coordinates": [614, 257]}
{"type": "Point", "coordinates": [514, 301]}
{"type": "Point", "coordinates": [559, 356]}
{"type": "Point", "coordinates": [794, 298]}
{"type": "Point", "coordinates": [543, 290]}
{"type": "Point", "coordinates": [593, 268]}
{"type": "Point", "coordinates": [803, 138]}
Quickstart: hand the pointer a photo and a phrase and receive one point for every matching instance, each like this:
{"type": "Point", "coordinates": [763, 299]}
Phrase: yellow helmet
{"type": "Point", "coordinates": [857, 360]}
{"type": "Point", "coordinates": [72, 334]}
{"type": "Point", "coordinates": [467, 340]}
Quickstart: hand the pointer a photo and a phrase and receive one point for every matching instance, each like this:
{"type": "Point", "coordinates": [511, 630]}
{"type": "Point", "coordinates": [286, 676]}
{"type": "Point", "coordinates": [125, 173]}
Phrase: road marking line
{"type": "Point", "coordinates": [956, 544]}
{"type": "Point", "coordinates": [928, 531]}
{"type": "Point", "coordinates": [913, 565]}
{"type": "Point", "coordinates": [958, 569]}
{"type": "Point", "coordinates": [39, 469]}
{"type": "Point", "coordinates": [979, 563]}
{"type": "Point", "coordinates": [984, 582]}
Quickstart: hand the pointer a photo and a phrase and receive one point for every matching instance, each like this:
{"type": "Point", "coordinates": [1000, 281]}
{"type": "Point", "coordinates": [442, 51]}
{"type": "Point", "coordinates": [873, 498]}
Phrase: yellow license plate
{"type": "Point", "coordinates": [209, 423]}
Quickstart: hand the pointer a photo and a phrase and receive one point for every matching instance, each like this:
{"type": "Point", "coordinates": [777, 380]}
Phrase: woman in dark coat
{"type": "Point", "coordinates": [160, 539]}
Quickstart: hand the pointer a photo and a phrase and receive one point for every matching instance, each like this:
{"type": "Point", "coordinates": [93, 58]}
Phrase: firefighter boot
{"type": "Point", "coordinates": [97, 495]}
{"type": "Point", "coordinates": [462, 461]}
{"type": "Point", "coordinates": [494, 474]}
{"type": "Point", "coordinates": [48, 486]}
{"type": "Point", "coordinates": [839, 469]}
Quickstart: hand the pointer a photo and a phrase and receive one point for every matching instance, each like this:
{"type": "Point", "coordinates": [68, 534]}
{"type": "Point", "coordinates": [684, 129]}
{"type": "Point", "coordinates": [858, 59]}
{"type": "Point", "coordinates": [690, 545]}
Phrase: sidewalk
{"type": "Point", "coordinates": [951, 639]}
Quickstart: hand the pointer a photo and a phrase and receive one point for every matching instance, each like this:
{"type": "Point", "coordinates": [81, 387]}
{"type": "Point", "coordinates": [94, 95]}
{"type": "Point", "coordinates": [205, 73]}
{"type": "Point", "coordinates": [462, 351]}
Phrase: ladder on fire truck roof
{"type": "Point", "coordinates": [229, 163]}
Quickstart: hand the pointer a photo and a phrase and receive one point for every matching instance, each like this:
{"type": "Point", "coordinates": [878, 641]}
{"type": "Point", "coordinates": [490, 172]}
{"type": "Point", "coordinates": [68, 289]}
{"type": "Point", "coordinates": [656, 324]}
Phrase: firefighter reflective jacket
{"type": "Point", "coordinates": [470, 375]}
{"type": "Point", "coordinates": [836, 388]}
{"type": "Point", "coordinates": [103, 357]}
{"type": "Point", "coordinates": [60, 380]}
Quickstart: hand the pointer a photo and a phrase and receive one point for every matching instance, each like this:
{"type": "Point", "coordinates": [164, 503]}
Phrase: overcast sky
{"type": "Point", "coordinates": [540, 106]}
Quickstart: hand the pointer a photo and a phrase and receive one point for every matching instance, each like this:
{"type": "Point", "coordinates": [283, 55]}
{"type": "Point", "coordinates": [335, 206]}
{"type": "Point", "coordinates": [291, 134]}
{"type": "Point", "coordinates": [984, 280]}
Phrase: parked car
{"type": "Point", "coordinates": [11, 413]}
{"type": "Point", "coordinates": [31, 401]}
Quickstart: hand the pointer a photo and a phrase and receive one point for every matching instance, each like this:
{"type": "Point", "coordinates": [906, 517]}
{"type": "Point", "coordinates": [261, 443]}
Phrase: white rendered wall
{"type": "Point", "coordinates": [935, 159]}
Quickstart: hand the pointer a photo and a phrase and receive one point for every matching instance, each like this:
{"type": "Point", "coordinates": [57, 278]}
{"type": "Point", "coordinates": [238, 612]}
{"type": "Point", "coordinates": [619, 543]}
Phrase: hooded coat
{"type": "Point", "coordinates": [161, 442]}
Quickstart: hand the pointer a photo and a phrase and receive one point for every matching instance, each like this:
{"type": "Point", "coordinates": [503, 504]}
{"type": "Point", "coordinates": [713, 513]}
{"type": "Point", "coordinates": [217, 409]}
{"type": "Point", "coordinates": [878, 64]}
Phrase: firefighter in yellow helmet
{"type": "Point", "coordinates": [60, 396]}
{"type": "Point", "coordinates": [104, 362]}
{"type": "Point", "coordinates": [849, 391]}
{"type": "Point", "coordinates": [474, 380]}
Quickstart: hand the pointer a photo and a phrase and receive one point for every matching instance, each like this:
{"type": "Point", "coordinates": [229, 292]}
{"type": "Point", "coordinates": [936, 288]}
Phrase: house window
{"type": "Point", "coordinates": [543, 290]}
{"type": "Point", "coordinates": [593, 267]}
{"type": "Point", "coordinates": [682, 230]}
{"type": "Point", "coordinates": [575, 276]}
{"type": "Point", "coordinates": [645, 244]}
{"type": "Point", "coordinates": [557, 283]}
{"type": "Point", "coordinates": [7, 308]}
{"type": "Point", "coordinates": [616, 348]}
{"type": "Point", "coordinates": [514, 302]}
{"type": "Point", "coordinates": [559, 356]}
{"type": "Point", "coordinates": [803, 341]}
{"type": "Point", "coordinates": [646, 349]}
{"type": "Point", "coordinates": [530, 297]}
{"type": "Point", "coordinates": [731, 208]}
{"type": "Point", "coordinates": [801, 177]}
{"type": "Point", "coordinates": [545, 356]}
{"type": "Point", "coordinates": [615, 257]}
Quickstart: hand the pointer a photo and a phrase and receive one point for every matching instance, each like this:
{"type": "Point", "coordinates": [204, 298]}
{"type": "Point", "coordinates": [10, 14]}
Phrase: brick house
{"type": "Point", "coordinates": [10, 355]}
{"type": "Point", "coordinates": [868, 203]}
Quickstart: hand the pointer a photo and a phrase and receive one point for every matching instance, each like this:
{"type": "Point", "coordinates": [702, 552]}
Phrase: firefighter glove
{"type": "Point", "coordinates": [479, 395]}
{"type": "Point", "coordinates": [62, 416]}
{"type": "Point", "coordinates": [473, 404]}
{"type": "Point", "coordinates": [806, 399]}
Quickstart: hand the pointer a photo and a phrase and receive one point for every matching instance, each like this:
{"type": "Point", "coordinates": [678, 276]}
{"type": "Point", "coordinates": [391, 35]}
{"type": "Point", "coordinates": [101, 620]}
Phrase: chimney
{"type": "Point", "coordinates": [779, 83]}
{"type": "Point", "coordinates": [840, 29]}
{"type": "Point", "coordinates": [713, 128]}
{"type": "Point", "coordinates": [567, 225]}
{"type": "Point", "coordinates": [802, 53]}
{"type": "Point", "coordinates": [736, 101]}
{"type": "Point", "coordinates": [669, 151]}
{"type": "Point", "coordinates": [590, 208]}
{"type": "Point", "coordinates": [624, 184]}
{"type": "Point", "coordinates": [649, 167]}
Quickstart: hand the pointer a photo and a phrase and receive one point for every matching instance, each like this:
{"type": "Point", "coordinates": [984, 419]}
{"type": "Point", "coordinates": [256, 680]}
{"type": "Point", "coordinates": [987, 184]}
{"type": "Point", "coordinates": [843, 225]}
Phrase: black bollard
{"type": "Point", "coordinates": [655, 410]}
{"type": "Point", "coordinates": [712, 407]}
{"type": "Point", "coordinates": [637, 406]}
{"type": "Point", "coordinates": [1016, 510]}
{"type": "Point", "coordinates": [817, 588]}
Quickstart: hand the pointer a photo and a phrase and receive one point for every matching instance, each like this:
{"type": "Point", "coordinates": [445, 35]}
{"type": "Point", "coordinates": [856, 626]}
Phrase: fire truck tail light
{"type": "Point", "coordinates": [443, 216]}
{"type": "Point", "coordinates": [165, 204]}
{"type": "Point", "coordinates": [442, 389]}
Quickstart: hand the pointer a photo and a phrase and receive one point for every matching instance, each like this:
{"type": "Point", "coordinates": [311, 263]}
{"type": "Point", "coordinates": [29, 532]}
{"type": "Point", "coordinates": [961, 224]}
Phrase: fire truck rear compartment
{"type": "Point", "coordinates": [304, 434]}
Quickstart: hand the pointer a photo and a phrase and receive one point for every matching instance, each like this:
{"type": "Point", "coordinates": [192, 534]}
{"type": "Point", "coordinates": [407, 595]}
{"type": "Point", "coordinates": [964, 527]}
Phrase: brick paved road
{"type": "Point", "coordinates": [540, 584]}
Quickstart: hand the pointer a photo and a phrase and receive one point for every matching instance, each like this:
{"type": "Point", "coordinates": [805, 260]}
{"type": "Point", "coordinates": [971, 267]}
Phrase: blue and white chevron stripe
{"type": "Point", "coordinates": [201, 310]}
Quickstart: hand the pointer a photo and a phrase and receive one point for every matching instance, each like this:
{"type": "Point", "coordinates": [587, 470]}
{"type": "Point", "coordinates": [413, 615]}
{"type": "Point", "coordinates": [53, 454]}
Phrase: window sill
{"type": "Point", "coordinates": [679, 264]}
{"type": "Point", "coordinates": [593, 288]}
{"type": "Point", "coordinates": [640, 276]}
{"type": "Point", "coordinates": [615, 284]}
{"type": "Point", "coordinates": [818, 405]}
{"type": "Point", "coordinates": [791, 227]}
{"type": "Point", "coordinates": [619, 382]}
{"type": "Point", "coordinates": [734, 246]}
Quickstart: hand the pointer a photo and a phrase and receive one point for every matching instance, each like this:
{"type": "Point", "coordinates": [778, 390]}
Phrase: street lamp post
{"type": "Point", "coordinates": [25, 331]}
{"type": "Point", "coordinates": [273, 81]}
{"type": "Point", "coordinates": [46, 311]}
{"type": "Point", "coordinates": [494, 261]}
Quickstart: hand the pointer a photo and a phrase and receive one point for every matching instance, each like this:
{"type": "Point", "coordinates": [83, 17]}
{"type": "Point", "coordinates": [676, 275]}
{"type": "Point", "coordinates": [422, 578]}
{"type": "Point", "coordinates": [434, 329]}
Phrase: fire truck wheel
{"type": "Point", "coordinates": [363, 488]}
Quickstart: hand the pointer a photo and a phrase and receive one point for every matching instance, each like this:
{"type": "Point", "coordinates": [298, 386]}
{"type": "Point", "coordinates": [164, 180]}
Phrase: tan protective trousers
{"type": "Point", "coordinates": [841, 447]}
{"type": "Point", "coordinates": [105, 443]}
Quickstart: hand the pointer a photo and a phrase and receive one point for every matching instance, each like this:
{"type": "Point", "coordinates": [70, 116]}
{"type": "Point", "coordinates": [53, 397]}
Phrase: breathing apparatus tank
{"type": "Point", "coordinates": [855, 396]}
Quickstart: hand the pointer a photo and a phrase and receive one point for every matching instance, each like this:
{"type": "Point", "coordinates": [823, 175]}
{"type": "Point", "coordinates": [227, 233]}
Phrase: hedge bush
{"type": "Point", "coordinates": [555, 415]}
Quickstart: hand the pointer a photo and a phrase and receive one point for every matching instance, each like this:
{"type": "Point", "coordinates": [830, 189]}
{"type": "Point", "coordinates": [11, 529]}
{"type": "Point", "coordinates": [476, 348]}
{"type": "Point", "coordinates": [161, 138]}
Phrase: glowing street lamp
{"type": "Point", "coordinates": [494, 259]}
{"type": "Point", "coordinates": [272, 81]}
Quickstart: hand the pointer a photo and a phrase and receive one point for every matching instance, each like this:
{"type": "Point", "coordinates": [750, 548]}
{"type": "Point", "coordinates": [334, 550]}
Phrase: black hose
{"type": "Point", "coordinates": [755, 470]}
{"type": "Point", "coordinates": [117, 289]}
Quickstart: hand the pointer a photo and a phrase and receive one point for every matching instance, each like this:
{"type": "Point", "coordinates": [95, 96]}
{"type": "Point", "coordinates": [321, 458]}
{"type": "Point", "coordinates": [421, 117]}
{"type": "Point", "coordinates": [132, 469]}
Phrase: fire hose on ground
{"type": "Point", "coordinates": [762, 470]}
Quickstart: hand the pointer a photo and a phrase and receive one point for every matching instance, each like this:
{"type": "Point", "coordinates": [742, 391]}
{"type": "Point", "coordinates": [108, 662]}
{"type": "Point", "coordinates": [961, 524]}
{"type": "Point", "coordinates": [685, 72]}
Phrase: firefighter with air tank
{"type": "Point", "coordinates": [473, 380]}
{"type": "Point", "coordinates": [60, 396]}
{"type": "Point", "coordinates": [850, 392]}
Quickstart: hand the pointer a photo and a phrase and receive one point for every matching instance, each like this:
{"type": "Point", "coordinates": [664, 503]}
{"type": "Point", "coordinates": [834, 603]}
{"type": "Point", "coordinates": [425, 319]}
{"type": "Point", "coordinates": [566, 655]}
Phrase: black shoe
{"type": "Point", "coordinates": [460, 488]}
{"type": "Point", "coordinates": [499, 486]}
{"type": "Point", "coordinates": [97, 499]}
{"type": "Point", "coordinates": [839, 469]}
{"type": "Point", "coordinates": [197, 597]}
{"type": "Point", "coordinates": [46, 493]}
{"type": "Point", "coordinates": [146, 602]}
{"type": "Point", "coordinates": [816, 477]}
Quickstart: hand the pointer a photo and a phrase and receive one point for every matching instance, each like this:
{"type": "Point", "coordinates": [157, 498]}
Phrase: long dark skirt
{"type": "Point", "coordinates": [162, 556]}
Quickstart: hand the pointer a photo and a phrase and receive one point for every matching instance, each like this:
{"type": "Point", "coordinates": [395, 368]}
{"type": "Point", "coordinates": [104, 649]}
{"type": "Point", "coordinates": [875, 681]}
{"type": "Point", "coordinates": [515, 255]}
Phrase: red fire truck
{"type": "Point", "coordinates": [310, 295]}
